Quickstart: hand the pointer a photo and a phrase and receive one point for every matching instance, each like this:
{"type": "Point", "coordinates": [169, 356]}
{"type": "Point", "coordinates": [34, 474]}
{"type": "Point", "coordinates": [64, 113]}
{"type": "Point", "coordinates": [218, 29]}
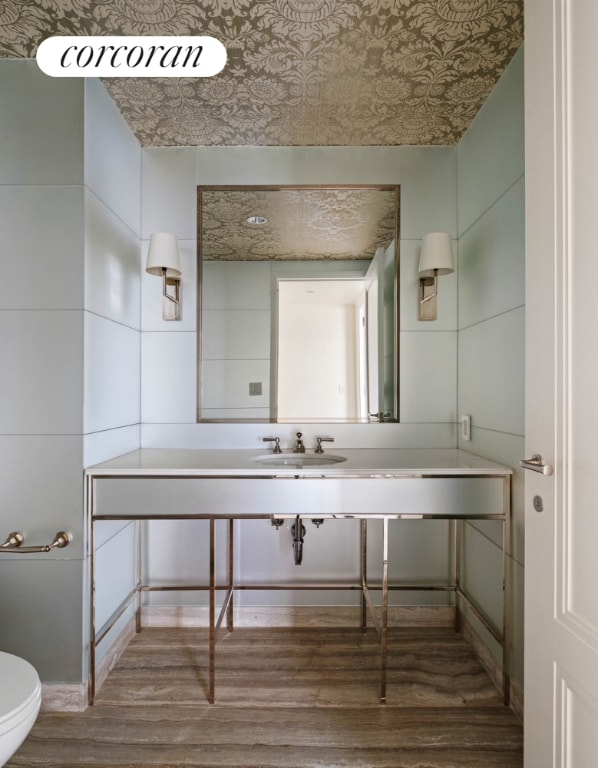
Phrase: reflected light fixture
{"type": "Point", "coordinates": [163, 260]}
{"type": "Point", "coordinates": [257, 220]}
{"type": "Point", "coordinates": [436, 259]}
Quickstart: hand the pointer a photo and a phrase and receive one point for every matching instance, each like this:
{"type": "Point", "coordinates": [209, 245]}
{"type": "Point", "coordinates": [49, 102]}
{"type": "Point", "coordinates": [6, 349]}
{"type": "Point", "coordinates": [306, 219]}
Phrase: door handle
{"type": "Point", "coordinates": [536, 464]}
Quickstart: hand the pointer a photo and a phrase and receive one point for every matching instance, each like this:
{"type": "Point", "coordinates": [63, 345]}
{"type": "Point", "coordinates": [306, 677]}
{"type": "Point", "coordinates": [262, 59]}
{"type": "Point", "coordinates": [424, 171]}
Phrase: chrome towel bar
{"type": "Point", "coordinates": [14, 543]}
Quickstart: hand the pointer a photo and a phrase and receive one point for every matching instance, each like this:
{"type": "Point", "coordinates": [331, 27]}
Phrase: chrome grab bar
{"type": "Point", "coordinates": [536, 464]}
{"type": "Point", "coordinates": [14, 543]}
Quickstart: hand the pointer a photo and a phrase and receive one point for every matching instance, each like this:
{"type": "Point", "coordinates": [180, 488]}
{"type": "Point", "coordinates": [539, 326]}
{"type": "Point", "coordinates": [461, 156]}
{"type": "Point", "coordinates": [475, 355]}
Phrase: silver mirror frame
{"type": "Point", "coordinates": [374, 418]}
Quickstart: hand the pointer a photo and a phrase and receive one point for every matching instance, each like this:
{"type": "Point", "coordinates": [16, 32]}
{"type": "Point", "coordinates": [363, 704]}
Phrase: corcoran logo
{"type": "Point", "coordinates": [124, 56]}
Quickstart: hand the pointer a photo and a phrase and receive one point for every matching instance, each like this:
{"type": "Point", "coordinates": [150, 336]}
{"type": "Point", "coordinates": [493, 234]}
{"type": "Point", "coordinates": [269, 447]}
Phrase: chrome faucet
{"type": "Point", "coordinates": [276, 441]}
{"type": "Point", "coordinates": [299, 447]}
{"type": "Point", "coordinates": [320, 440]}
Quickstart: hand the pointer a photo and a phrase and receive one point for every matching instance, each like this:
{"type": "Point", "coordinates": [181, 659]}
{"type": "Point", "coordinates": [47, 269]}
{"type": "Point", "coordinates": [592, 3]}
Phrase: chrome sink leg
{"type": "Point", "coordinates": [298, 532]}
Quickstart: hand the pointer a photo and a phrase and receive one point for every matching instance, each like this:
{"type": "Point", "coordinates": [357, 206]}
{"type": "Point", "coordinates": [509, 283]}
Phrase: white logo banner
{"type": "Point", "coordinates": [128, 56]}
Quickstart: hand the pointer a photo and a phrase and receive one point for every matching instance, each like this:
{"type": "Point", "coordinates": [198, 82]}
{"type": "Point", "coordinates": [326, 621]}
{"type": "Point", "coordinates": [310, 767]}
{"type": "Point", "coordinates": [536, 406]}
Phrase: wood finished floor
{"type": "Point", "coordinates": [286, 698]}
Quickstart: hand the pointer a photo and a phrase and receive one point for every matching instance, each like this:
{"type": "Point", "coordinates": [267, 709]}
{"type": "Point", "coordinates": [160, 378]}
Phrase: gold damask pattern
{"type": "Point", "coordinates": [301, 223]}
{"type": "Point", "coordinates": [299, 72]}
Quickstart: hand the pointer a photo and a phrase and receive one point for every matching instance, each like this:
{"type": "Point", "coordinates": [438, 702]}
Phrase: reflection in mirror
{"type": "Point", "coordinates": [297, 318]}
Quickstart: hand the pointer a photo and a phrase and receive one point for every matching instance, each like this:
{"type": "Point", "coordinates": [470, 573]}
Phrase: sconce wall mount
{"type": "Point", "coordinates": [436, 259]}
{"type": "Point", "coordinates": [163, 260]}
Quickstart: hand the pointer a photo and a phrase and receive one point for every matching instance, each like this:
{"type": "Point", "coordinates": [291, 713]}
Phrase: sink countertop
{"type": "Point", "coordinates": [364, 462]}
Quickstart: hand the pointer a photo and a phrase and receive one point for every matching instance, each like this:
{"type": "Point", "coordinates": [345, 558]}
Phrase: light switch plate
{"type": "Point", "coordinates": [466, 427]}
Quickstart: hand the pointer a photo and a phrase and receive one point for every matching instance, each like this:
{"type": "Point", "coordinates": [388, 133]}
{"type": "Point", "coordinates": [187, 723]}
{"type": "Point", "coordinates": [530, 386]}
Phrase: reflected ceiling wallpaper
{"type": "Point", "coordinates": [300, 224]}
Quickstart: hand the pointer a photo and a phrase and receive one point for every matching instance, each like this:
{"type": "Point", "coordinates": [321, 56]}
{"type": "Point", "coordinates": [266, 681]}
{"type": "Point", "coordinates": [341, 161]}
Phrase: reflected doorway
{"type": "Point", "coordinates": [324, 335]}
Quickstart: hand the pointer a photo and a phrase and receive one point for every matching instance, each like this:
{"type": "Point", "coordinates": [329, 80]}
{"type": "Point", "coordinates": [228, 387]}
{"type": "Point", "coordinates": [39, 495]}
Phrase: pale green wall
{"type": "Point", "coordinates": [69, 344]}
{"type": "Point", "coordinates": [427, 176]}
{"type": "Point", "coordinates": [491, 321]}
{"type": "Point", "coordinates": [470, 361]}
{"type": "Point", "coordinates": [41, 349]}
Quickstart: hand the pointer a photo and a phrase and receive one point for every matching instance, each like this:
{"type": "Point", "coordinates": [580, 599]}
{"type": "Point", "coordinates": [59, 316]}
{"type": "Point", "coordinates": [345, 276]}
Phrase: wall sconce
{"type": "Point", "coordinates": [163, 260]}
{"type": "Point", "coordinates": [436, 259]}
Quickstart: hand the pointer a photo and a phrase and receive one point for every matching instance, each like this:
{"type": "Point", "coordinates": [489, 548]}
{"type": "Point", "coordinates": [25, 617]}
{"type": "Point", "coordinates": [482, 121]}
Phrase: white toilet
{"type": "Point", "coordinates": [20, 700]}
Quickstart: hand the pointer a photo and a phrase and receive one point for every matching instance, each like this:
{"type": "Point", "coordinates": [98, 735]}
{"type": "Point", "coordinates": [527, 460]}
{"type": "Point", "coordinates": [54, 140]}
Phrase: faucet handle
{"type": "Point", "coordinates": [321, 440]}
{"type": "Point", "coordinates": [276, 441]}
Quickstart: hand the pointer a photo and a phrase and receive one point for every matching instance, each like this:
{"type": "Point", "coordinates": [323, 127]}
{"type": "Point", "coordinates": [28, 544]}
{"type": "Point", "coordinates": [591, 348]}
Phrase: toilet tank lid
{"type": "Point", "coordinates": [19, 684]}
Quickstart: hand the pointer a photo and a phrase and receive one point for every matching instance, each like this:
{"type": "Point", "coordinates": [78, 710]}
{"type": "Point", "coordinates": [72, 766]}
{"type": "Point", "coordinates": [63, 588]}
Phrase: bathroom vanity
{"type": "Point", "coordinates": [231, 485]}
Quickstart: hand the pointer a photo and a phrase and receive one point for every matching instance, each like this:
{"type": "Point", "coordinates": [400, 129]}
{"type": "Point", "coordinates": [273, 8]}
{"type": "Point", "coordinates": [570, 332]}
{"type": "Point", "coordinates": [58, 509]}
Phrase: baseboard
{"type": "Point", "coordinates": [516, 699]}
{"type": "Point", "coordinates": [492, 666]}
{"type": "Point", "coordinates": [60, 697]}
{"type": "Point", "coordinates": [109, 660]}
{"type": "Point", "coordinates": [296, 616]}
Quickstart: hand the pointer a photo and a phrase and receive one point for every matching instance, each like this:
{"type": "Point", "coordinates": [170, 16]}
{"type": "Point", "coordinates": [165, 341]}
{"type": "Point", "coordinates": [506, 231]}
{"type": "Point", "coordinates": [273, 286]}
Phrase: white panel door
{"type": "Point", "coordinates": [561, 660]}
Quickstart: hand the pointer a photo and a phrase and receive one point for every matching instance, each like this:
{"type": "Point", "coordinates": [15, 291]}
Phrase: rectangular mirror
{"type": "Point", "coordinates": [297, 311]}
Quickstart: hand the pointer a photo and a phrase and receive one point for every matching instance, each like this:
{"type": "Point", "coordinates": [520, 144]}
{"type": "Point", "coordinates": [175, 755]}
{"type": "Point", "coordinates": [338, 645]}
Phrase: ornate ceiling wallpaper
{"type": "Point", "coordinates": [303, 223]}
{"type": "Point", "coordinates": [299, 72]}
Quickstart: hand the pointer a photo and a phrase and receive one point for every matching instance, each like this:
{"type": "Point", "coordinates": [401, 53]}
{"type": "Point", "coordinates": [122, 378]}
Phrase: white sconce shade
{"type": "Point", "coordinates": [436, 255]}
{"type": "Point", "coordinates": [163, 260]}
{"type": "Point", "coordinates": [163, 254]}
{"type": "Point", "coordinates": [436, 258]}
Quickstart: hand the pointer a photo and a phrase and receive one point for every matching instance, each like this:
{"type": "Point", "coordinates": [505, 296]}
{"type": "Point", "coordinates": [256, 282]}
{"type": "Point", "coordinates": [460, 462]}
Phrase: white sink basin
{"type": "Point", "coordinates": [299, 459]}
